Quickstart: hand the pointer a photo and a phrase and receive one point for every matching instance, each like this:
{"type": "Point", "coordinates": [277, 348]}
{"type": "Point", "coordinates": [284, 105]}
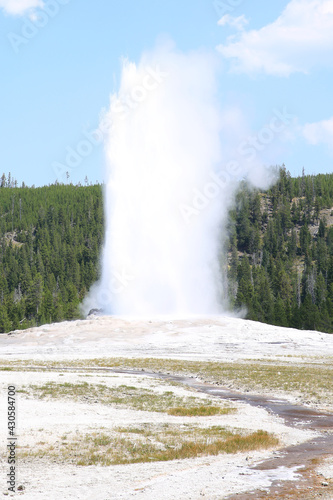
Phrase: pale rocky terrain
{"type": "Point", "coordinates": [215, 339]}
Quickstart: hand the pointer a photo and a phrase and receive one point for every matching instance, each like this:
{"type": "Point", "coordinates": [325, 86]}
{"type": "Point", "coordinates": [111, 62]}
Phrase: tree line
{"type": "Point", "coordinates": [50, 241]}
{"type": "Point", "coordinates": [279, 266]}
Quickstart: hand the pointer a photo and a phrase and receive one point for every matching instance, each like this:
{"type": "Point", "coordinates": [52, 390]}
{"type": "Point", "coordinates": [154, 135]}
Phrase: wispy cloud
{"type": "Point", "coordinates": [298, 40]}
{"type": "Point", "coordinates": [319, 133]}
{"type": "Point", "coordinates": [235, 22]}
{"type": "Point", "coordinates": [20, 7]}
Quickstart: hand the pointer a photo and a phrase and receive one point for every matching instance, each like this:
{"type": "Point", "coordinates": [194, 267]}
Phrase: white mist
{"type": "Point", "coordinates": [166, 202]}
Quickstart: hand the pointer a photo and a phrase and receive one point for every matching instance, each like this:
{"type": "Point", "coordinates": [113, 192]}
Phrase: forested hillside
{"type": "Point", "coordinates": [280, 252]}
{"type": "Point", "coordinates": [50, 240]}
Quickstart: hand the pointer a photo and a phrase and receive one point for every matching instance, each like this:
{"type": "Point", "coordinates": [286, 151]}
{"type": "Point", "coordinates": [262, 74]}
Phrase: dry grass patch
{"type": "Point", "coordinates": [127, 396]}
{"type": "Point", "coordinates": [311, 381]}
{"type": "Point", "coordinates": [200, 411]}
{"type": "Point", "coordinates": [149, 443]}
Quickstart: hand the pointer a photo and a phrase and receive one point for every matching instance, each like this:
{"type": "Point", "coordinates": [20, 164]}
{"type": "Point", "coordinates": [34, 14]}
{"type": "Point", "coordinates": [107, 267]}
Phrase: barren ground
{"type": "Point", "coordinates": [65, 406]}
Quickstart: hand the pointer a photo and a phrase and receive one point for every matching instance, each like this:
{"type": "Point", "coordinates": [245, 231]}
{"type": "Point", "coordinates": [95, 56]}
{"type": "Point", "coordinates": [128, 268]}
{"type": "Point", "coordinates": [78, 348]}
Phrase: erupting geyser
{"type": "Point", "coordinates": [166, 201]}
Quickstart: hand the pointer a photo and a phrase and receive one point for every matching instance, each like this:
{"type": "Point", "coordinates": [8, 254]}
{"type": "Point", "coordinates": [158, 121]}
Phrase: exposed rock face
{"type": "Point", "coordinates": [95, 312]}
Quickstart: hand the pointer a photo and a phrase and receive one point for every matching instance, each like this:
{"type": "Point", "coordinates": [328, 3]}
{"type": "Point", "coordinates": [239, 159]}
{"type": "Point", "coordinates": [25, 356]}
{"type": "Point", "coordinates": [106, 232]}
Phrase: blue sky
{"type": "Point", "coordinates": [61, 60]}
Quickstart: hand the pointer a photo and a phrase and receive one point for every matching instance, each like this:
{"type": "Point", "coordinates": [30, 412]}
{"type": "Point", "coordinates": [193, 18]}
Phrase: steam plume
{"type": "Point", "coordinates": [169, 187]}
